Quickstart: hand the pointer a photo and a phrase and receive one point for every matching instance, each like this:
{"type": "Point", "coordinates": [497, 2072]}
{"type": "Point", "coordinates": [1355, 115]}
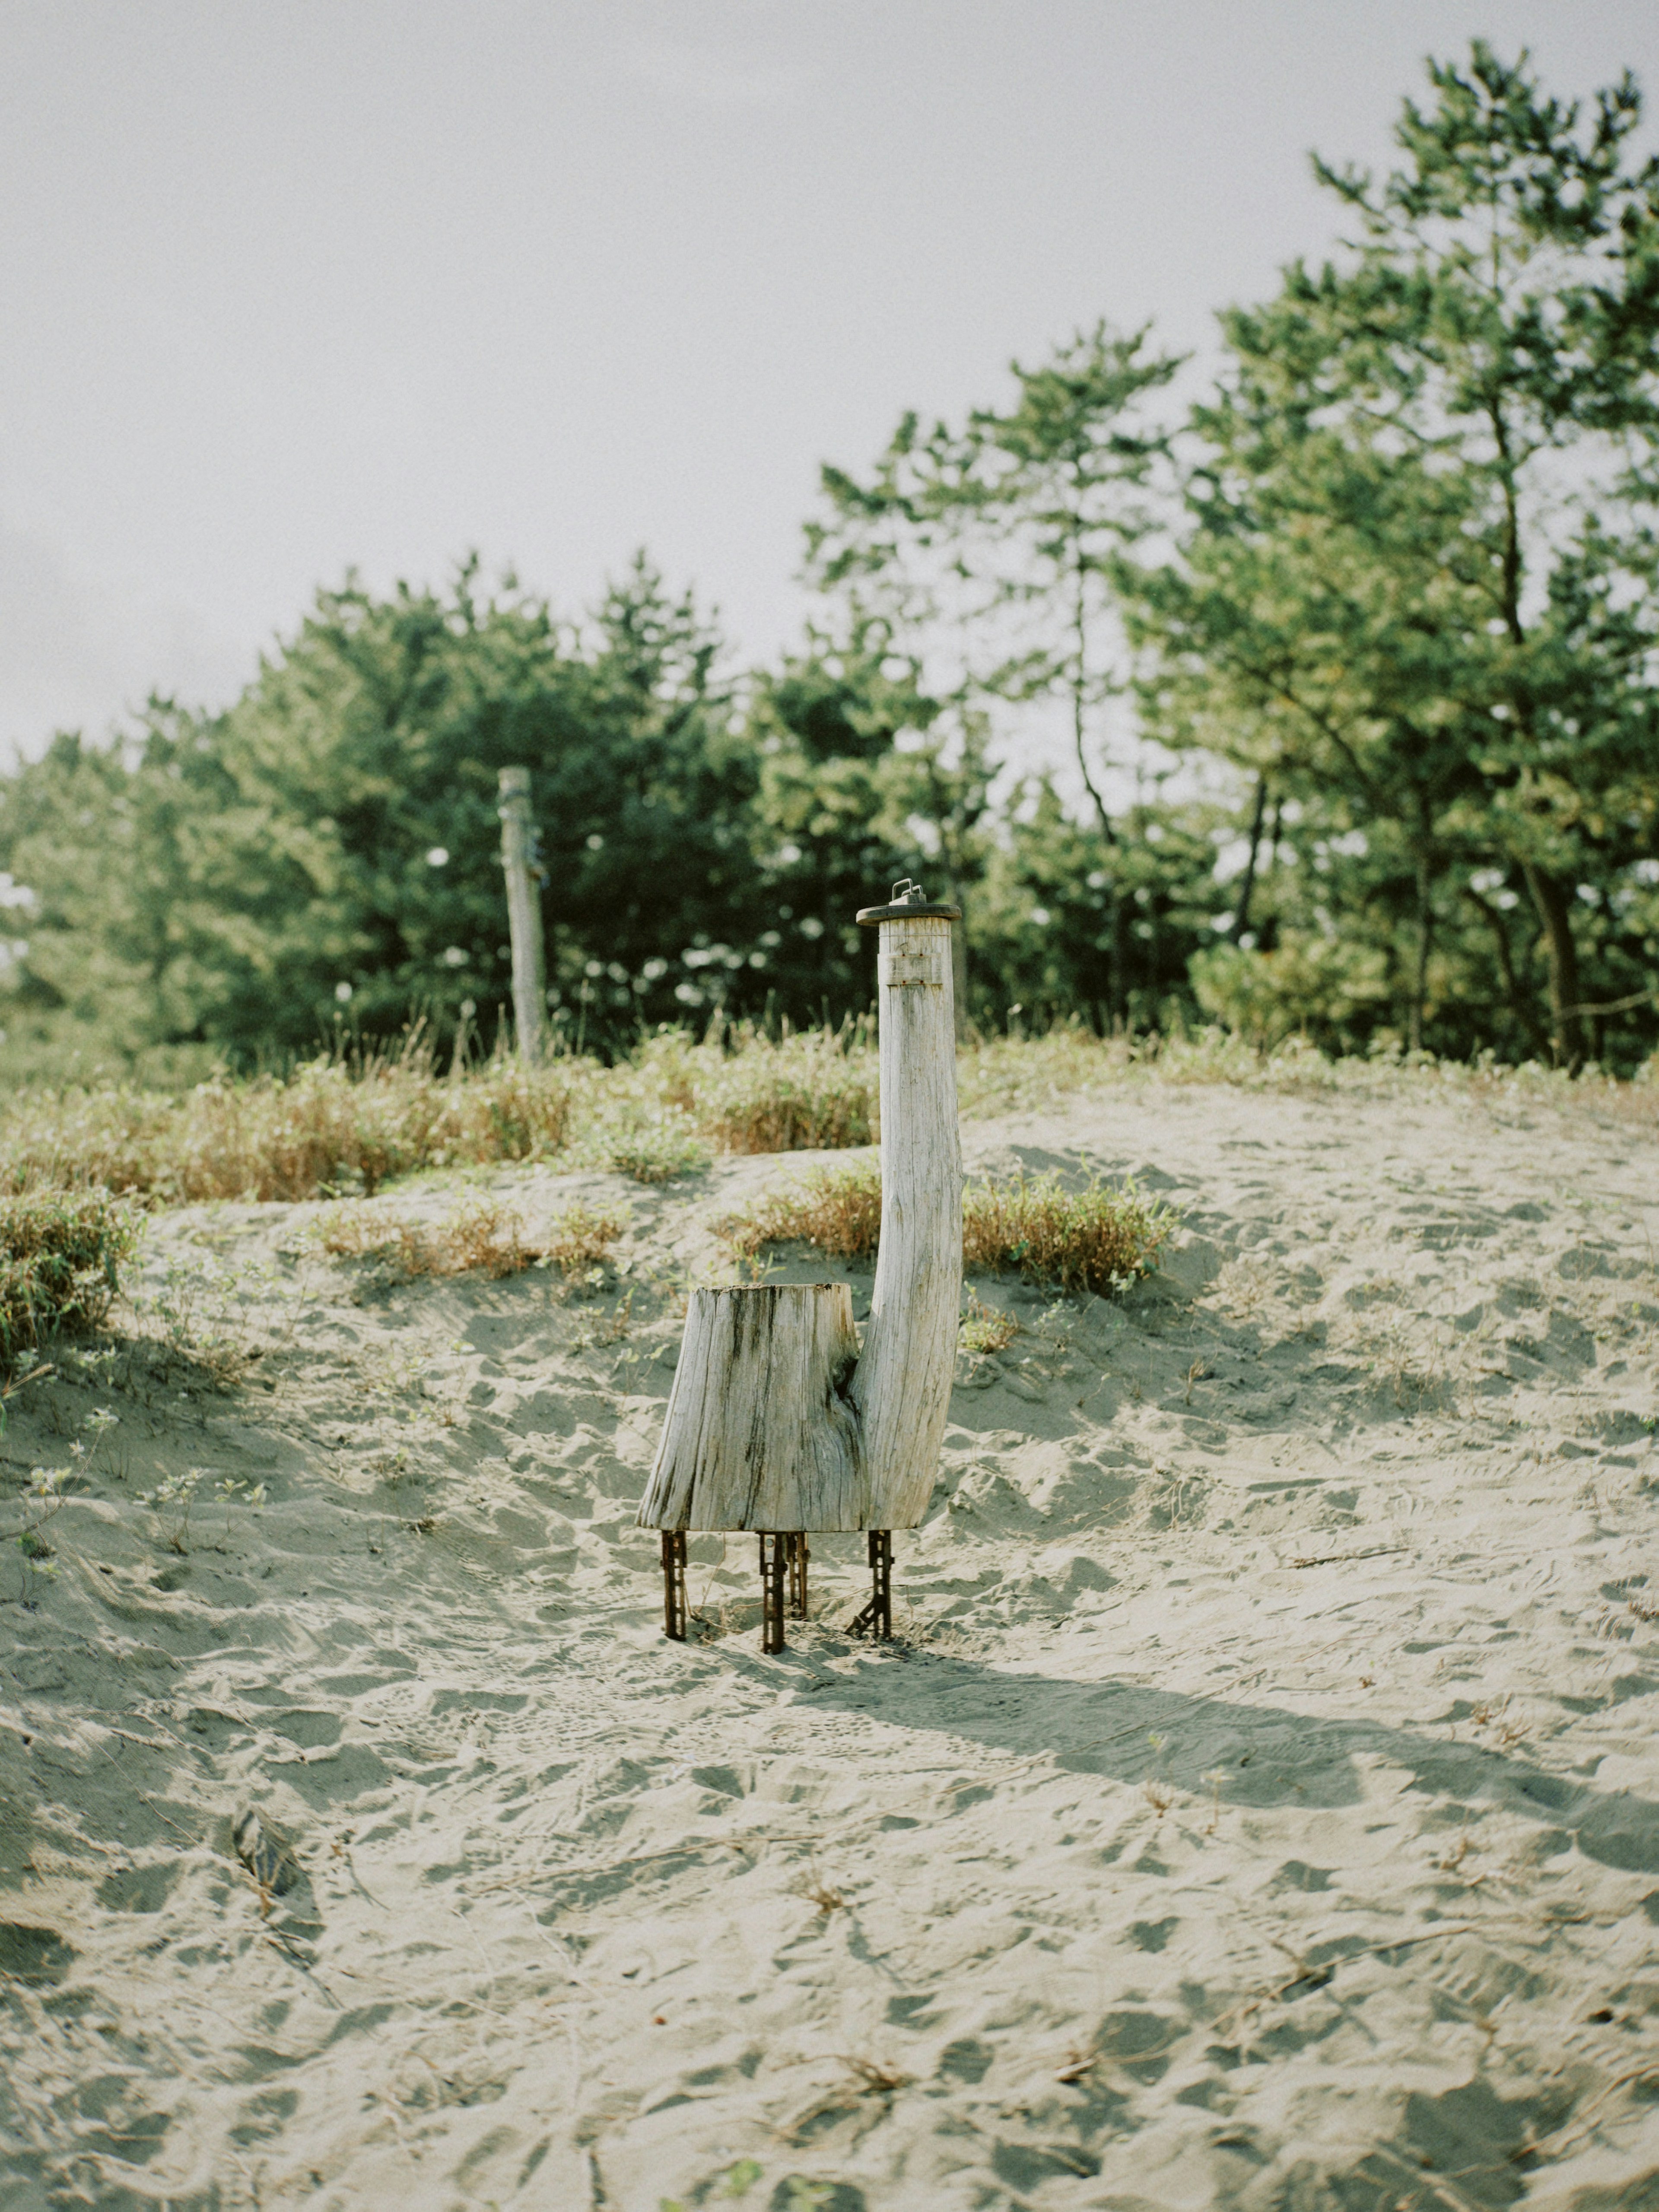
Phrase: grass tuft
{"type": "Point", "coordinates": [60, 1258]}
{"type": "Point", "coordinates": [984, 1329]}
{"type": "Point", "coordinates": [483, 1238]}
{"type": "Point", "coordinates": [1099, 1239]}
{"type": "Point", "coordinates": [837, 1209]}
{"type": "Point", "coordinates": [808, 1093]}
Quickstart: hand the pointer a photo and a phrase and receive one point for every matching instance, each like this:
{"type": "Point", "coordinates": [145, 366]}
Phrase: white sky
{"type": "Point", "coordinates": [286, 288]}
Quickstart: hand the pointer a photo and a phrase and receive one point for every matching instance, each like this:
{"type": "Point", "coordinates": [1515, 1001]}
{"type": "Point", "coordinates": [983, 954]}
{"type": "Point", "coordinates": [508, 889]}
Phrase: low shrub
{"type": "Point", "coordinates": [655, 1149]}
{"type": "Point", "coordinates": [60, 1258]}
{"type": "Point", "coordinates": [985, 1328]}
{"type": "Point", "coordinates": [579, 1237]}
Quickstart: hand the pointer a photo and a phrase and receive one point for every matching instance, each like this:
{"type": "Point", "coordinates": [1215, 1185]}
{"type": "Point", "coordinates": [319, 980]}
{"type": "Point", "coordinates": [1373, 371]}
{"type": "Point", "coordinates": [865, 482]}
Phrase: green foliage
{"type": "Point", "coordinates": [322, 859]}
{"type": "Point", "coordinates": [61, 1254]}
{"type": "Point", "coordinates": [998, 544]}
{"type": "Point", "coordinates": [1416, 596]}
{"type": "Point", "coordinates": [1396, 778]}
{"type": "Point", "coordinates": [864, 779]}
{"type": "Point", "coordinates": [1055, 933]}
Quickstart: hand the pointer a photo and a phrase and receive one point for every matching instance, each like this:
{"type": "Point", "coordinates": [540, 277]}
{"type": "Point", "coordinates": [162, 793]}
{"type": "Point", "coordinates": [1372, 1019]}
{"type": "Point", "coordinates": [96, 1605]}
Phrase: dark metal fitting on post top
{"type": "Point", "coordinates": [910, 903]}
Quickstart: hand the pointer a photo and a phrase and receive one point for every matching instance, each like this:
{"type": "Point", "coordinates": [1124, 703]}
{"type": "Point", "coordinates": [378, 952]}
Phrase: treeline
{"type": "Point", "coordinates": [1355, 656]}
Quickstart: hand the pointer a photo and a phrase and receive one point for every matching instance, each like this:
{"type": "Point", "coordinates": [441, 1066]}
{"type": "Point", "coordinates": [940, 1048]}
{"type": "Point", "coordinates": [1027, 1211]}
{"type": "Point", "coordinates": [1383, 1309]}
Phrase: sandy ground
{"type": "Point", "coordinates": [1259, 1807]}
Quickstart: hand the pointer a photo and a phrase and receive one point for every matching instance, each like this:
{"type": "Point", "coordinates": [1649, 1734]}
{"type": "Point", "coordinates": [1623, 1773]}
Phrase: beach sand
{"type": "Point", "coordinates": [1258, 1807]}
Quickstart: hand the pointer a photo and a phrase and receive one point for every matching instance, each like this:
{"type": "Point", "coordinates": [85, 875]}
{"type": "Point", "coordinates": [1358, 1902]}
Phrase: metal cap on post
{"type": "Point", "coordinates": [909, 902]}
{"type": "Point", "coordinates": [524, 913]}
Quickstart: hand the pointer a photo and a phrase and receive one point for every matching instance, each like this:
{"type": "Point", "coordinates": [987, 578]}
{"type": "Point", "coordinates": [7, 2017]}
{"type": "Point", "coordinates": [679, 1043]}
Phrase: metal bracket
{"type": "Point", "coordinates": [675, 1611]}
{"type": "Point", "coordinates": [876, 1621]}
{"type": "Point", "coordinates": [773, 1558]}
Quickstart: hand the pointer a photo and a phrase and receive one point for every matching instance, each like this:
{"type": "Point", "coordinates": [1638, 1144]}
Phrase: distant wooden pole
{"type": "Point", "coordinates": [524, 916]}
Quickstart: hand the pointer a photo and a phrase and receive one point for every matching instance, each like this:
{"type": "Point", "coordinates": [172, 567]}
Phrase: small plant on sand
{"type": "Point", "coordinates": [984, 1329]}
{"type": "Point", "coordinates": [578, 1239]}
{"type": "Point", "coordinates": [817, 1891]}
{"type": "Point", "coordinates": [99, 1451]}
{"type": "Point", "coordinates": [61, 1254]}
{"type": "Point", "coordinates": [734, 2183]}
{"type": "Point", "coordinates": [232, 1489]}
{"type": "Point", "coordinates": [172, 1499]}
{"type": "Point", "coordinates": [41, 1502]}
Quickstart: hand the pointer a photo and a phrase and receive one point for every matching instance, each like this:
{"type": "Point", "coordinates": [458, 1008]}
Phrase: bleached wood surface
{"type": "Point", "coordinates": [902, 1384]}
{"type": "Point", "coordinates": [760, 1433]}
{"type": "Point", "coordinates": [774, 1421]}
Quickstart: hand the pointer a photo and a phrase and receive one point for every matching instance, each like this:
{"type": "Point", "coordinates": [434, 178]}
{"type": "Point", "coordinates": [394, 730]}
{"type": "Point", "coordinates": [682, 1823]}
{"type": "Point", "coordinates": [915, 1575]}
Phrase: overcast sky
{"type": "Point", "coordinates": [286, 289]}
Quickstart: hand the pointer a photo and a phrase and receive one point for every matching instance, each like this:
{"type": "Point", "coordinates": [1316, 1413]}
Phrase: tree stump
{"type": "Point", "coordinates": [761, 1432]}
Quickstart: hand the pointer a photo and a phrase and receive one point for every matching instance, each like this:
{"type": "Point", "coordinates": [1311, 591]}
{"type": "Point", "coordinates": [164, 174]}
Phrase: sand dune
{"type": "Point", "coordinates": [1259, 1807]}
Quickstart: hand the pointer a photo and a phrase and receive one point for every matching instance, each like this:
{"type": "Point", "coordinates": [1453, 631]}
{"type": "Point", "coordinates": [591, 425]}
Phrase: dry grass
{"type": "Point", "coordinates": [331, 1126]}
{"type": "Point", "coordinates": [804, 1096]}
{"type": "Point", "coordinates": [837, 1209]}
{"type": "Point", "coordinates": [60, 1258]}
{"type": "Point", "coordinates": [483, 1238]}
{"type": "Point", "coordinates": [348, 1126]}
{"type": "Point", "coordinates": [1098, 1239]}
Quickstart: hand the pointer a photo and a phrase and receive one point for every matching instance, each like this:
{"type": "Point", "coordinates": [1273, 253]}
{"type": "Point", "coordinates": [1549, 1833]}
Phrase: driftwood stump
{"type": "Point", "coordinates": [777, 1422]}
{"type": "Point", "coordinates": [761, 1432]}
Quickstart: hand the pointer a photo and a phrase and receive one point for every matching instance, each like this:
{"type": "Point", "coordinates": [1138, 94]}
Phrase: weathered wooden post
{"type": "Point", "coordinates": [777, 1423]}
{"type": "Point", "coordinates": [524, 913]}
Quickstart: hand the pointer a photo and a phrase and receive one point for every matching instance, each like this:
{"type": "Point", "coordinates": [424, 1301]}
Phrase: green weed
{"type": "Point", "coordinates": [61, 1254]}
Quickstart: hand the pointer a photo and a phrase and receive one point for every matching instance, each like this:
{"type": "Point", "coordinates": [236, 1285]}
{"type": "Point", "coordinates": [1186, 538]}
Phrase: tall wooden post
{"type": "Point", "coordinates": [523, 915]}
{"type": "Point", "coordinates": [903, 1385]}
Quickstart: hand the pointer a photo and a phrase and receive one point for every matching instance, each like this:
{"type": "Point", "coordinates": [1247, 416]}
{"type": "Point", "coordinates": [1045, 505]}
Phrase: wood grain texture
{"type": "Point", "coordinates": [760, 1433]}
{"type": "Point", "coordinates": [902, 1387]}
{"type": "Point", "coordinates": [774, 1421]}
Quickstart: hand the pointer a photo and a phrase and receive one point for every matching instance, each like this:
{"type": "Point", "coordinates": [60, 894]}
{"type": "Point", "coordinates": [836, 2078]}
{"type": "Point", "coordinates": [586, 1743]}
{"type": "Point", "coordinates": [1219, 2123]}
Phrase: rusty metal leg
{"type": "Point", "coordinates": [796, 1553]}
{"type": "Point", "coordinates": [877, 1619]}
{"type": "Point", "coordinates": [881, 1582]}
{"type": "Point", "coordinates": [772, 1562]}
{"type": "Point", "coordinates": [675, 1612]}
